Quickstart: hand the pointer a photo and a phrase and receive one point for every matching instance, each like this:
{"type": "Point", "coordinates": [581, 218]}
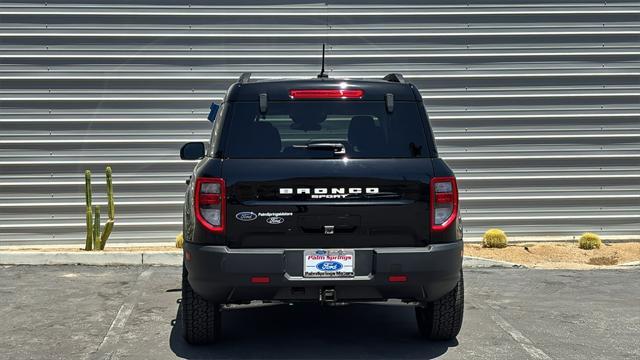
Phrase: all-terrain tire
{"type": "Point", "coordinates": [442, 319]}
{"type": "Point", "coordinates": [200, 317]}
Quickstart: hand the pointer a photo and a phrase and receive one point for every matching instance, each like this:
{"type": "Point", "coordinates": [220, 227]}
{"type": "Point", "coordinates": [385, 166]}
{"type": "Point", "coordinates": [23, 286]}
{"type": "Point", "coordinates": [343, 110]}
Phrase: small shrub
{"type": "Point", "coordinates": [179, 241]}
{"type": "Point", "coordinates": [494, 238]}
{"type": "Point", "coordinates": [589, 241]}
{"type": "Point", "coordinates": [603, 260]}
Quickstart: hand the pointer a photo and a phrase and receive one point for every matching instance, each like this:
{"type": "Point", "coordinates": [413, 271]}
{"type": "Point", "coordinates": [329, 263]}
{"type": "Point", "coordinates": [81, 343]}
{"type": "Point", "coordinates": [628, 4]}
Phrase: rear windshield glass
{"type": "Point", "coordinates": [293, 129]}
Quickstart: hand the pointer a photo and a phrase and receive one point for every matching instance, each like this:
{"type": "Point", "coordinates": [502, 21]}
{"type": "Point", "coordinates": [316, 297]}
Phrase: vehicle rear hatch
{"type": "Point", "coordinates": [326, 203]}
{"type": "Point", "coordinates": [312, 172]}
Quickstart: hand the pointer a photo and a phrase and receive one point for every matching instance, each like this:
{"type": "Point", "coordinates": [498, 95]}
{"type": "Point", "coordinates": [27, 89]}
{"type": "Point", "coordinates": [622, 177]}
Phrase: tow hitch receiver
{"type": "Point", "coordinates": [328, 295]}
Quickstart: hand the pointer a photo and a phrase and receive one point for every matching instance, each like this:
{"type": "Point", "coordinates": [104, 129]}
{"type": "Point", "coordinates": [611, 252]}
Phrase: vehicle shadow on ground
{"type": "Point", "coordinates": [312, 331]}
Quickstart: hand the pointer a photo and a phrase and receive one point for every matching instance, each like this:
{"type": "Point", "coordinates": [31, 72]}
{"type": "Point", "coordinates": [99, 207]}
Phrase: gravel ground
{"type": "Point", "coordinates": [85, 312]}
{"type": "Point", "coordinates": [560, 255]}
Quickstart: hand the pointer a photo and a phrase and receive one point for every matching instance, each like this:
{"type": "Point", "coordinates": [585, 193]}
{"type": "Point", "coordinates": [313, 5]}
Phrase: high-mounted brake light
{"type": "Point", "coordinates": [444, 202]}
{"type": "Point", "coordinates": [326, 94]}
{"type": "Point", "coordinates": [210, 203]}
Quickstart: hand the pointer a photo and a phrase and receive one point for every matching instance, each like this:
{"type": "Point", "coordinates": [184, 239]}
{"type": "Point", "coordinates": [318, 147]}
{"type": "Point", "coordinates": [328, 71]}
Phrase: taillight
{"type": "Point", "coordinates": [210, 203]}
{"type": "Point", "coordinates": [444, 202]}
{"type": "Point", "coordinates": [326, 93]}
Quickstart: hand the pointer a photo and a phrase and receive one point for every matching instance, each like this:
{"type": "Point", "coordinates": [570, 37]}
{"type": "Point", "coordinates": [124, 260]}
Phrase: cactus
{"type": "Point", "coordinates": [96, 228]}
{"type": "Point", "coordinates": [111, 210]}
{"type": "Point", "coordinates": [87, 195]}
{"type": "Point", "coordinates": [94, 240]}
{"type": "Point", "coordinates": [494, 238]}
{"type": "Point", "coordinates": [589, 241]}
{"type": "Point", "coordinates": [179, 241]}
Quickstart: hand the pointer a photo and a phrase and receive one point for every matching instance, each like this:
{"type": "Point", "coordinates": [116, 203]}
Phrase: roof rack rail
{"type": "Point", "coordinates": [394, 77]}
{"type": "Point", "coordinates": [244, 78]}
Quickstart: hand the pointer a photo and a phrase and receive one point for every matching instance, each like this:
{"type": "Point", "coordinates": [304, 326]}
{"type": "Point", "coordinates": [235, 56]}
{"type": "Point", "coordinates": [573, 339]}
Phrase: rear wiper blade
{"type": "Point", "coordinates": [338, 148]}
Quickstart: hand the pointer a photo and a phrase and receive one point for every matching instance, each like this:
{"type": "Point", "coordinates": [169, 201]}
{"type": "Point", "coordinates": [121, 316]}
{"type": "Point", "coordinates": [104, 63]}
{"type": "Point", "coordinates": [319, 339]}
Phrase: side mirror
{"type": "Point", "coordinates": [192, 151]}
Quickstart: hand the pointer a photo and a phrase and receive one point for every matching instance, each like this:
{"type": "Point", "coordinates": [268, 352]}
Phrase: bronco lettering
{"type": "Point", "coordinates": [329, 193]}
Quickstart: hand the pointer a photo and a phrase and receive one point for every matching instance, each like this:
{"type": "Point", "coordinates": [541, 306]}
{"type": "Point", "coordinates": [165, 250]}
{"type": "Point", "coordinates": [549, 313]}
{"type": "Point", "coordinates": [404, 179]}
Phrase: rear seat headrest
{"type": "Point", "coordinates": [267, 137]}
{"type": "Point", "coordinates": [360, 127]}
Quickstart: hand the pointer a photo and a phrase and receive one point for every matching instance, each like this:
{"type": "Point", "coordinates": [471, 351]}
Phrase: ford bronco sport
{"type": "Point", "coordinates": [321, 190]}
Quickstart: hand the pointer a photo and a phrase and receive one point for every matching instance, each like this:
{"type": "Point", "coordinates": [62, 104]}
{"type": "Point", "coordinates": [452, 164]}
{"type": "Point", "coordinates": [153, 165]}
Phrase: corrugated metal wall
{"type": "Point", "coordinates": [535, 105]}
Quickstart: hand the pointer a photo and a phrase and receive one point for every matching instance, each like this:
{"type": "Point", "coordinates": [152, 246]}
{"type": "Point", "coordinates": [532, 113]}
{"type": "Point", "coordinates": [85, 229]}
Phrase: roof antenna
{"type": "Point", "coordinates": [322, 75]}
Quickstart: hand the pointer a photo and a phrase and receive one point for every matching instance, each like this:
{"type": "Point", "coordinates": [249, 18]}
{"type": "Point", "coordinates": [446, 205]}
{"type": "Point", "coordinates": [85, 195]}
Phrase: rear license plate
{"type": "Point", "coordinates": [329, 263]}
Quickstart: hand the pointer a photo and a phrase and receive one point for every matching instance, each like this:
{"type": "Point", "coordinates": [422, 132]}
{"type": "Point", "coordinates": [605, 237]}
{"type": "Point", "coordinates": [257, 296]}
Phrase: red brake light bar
{"type": "Point", "coordinates": [326, 94]}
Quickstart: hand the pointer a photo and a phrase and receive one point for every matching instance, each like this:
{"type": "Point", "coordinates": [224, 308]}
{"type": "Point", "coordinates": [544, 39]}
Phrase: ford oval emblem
{"type": "Point", "coordinates": [246, 216]}
{"type": "Point", "coordinates": [275, 220]}
{"type": "Point", "coordinates": [329, 266]}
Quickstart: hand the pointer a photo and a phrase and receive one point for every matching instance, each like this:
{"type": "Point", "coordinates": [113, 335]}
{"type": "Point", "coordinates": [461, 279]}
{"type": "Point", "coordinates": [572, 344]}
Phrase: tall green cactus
{"type": "Point", "coordinates": [87, 196]}
{"type": "Point", "coordinates": [94, 240]}
{"type": "Point", "coordinates": [96, 228]}
{"type": "Point", "coordinates": [111, 210]}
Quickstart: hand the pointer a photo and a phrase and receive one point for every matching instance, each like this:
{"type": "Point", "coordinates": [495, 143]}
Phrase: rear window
{"type": "Point", "coordinates": [365, 129]}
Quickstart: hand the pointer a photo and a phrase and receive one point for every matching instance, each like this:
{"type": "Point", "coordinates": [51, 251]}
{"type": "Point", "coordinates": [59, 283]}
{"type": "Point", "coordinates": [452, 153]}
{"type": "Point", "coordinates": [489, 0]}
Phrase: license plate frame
{"type": "Point", "coordinates": [329, 263]}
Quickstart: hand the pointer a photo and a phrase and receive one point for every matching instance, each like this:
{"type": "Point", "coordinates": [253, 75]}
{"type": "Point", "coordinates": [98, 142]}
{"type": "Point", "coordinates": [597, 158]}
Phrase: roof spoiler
{"type": "Point", "coordinates": [244, 78]}
{"type": "Point", "coordinates": [394, 77]}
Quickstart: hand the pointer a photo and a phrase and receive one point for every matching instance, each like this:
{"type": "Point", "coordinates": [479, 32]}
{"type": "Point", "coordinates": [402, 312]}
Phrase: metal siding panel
{"type": "Point", "coordinates": [535, 105]}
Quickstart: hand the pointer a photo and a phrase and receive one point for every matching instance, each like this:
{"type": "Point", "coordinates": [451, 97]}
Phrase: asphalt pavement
{"type": "Point", "coordinates": [92, 312]}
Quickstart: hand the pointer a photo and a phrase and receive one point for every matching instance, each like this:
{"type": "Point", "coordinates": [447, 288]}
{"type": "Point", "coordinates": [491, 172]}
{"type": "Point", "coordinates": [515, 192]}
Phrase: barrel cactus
{"type": "Point", "coordinates": [589, 241]}
{"type": "Point", "coordinates": [95, 240]}
{"type": "Point", "coordinates": [179, 241]}
{"type": "Point", "coordinates": [494, 238]}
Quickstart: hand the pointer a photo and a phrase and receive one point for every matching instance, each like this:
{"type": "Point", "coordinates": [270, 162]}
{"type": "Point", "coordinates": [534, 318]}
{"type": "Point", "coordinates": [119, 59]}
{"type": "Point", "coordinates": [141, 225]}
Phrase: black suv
{"type": "Point", "coordinates": [321, 190]}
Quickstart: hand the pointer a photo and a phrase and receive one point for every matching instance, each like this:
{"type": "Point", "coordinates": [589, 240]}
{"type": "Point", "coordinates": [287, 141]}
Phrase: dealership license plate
{"type": "Point", "coordinates": [329, 263]}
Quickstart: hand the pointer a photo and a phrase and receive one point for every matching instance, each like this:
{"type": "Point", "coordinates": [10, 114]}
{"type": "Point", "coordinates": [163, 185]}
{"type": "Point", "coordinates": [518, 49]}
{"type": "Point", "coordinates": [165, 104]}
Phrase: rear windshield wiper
{"type": "Point", "coordinates": [337, 148]}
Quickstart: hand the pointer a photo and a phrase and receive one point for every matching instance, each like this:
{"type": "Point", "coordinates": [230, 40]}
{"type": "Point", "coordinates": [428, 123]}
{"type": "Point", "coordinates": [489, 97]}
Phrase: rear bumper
{"type": "Point", "coordinates": [223, 275]}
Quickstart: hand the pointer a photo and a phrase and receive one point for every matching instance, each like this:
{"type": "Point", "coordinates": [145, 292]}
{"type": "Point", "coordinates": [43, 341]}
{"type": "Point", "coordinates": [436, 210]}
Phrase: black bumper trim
{"type": "Point", "coordinates": [223, 274]}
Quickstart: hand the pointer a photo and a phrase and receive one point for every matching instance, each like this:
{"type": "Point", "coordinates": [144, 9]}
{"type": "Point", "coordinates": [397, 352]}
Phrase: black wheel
{"type": "Point", "coordinates": [200, 317]}
{"type": "Point", "coordinates": [442, 319]}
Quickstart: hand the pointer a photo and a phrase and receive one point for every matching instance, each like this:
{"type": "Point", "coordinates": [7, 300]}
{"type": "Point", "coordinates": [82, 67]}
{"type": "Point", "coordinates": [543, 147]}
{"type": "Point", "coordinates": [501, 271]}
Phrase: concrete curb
{"type": "Point", "coordinates": [69, 258]}
{"type": "Point", "coordinates": [90, 258]}
{"type": "Point", "coordinates": [162, 258]}
{"type": "Point", "coordinates": [631, 264]}
{"type": "Point", "coordinates": [173, 258]}
{"type": "Point", "coordinates": [478, 262]}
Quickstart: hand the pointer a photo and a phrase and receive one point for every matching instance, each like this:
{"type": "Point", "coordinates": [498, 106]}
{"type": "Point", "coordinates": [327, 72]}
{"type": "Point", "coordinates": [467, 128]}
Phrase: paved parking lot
{"type": "Point", "coordinates": [84, 312]}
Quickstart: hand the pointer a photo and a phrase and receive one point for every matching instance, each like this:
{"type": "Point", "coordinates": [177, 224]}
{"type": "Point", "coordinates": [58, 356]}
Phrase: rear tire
{"type": "Point", "coordinates": [442, 319]}
{"type": "Point", "coordinates": [200, 317]}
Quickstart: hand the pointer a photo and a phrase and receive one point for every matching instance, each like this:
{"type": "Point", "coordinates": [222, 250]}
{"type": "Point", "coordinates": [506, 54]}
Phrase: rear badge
{"type": "Point", "coordinates": [275, 220]}
{"type": "Point", "coordinates": [246, 216]}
